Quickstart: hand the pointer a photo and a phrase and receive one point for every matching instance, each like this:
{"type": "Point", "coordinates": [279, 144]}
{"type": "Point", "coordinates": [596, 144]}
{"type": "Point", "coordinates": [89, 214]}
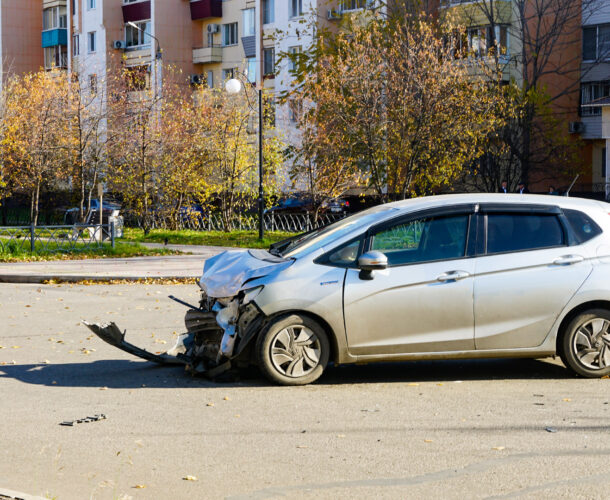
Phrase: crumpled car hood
{"type": "Point", "coordinates": [225, 274]}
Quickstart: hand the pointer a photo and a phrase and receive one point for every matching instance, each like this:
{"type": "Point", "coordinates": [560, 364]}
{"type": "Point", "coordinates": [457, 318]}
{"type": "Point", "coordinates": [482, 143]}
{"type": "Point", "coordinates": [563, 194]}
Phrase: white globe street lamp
{"type": "Point", "coordinates": [233, 86]}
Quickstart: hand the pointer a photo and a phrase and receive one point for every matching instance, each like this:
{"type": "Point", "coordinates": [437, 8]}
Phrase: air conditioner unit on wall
{"type": "Point", "coordinates": [213, 28]}
{"type": "Point", "coordinates": [333, 14]}
{"type": "Point", "coordinates": [118, 44]}
{"type": "Point", "coordinates": [577, 127]}
{"type": "Point", "coordinates": [196, 79]}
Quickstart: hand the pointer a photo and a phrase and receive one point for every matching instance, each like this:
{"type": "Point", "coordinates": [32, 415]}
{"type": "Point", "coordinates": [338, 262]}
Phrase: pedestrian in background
{"type": "Point", "coordinates": [503, 187]}
{"type": "Point", "coordinates": [553, 191]}
{"type": "Point", "coordinates": [522, 188]}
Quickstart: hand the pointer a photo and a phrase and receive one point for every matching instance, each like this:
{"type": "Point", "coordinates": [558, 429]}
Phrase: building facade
{"type": "Point", "coordinates": [595, 86]}
{"type": "Point", "coordinates": [21, 25]}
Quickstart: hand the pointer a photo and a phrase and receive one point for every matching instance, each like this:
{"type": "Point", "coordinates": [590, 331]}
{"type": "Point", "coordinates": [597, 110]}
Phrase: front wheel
{"type": "Point", "coordinates": [585, 345]}
{"type": "Point", "coordinates": [293, 350]}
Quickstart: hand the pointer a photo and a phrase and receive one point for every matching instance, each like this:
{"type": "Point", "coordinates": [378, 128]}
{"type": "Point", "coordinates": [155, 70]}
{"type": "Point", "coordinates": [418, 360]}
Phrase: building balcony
{"type": "Point", "coordinates": [203, 9]}
{"type": "Point", "coordinates": [136, 11]}
{"type": "Point", "coordinates": [206, 55]}
{"type": "Point", "coordinates": [51, 38]}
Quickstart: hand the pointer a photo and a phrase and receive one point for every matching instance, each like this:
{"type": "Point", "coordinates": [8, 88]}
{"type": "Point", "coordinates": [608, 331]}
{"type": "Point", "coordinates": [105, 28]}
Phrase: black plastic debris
{"type": "Point", "coordinates": [85, 420]}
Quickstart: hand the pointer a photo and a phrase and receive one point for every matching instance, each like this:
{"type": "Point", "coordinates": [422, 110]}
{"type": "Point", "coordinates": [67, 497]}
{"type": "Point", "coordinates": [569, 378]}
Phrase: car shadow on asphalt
{"type": "Point", "coordinates": [127, 374]}
{"type": "Point", "coordinates": [446, 370]}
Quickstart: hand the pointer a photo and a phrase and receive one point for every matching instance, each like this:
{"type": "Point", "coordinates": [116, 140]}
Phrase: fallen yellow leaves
{"type": "Point", "coordinates": [140, 486]}
{"type": "Point", "coordinates": [498, 448]}
{"type": "Point", "coordinates": [190, 478]}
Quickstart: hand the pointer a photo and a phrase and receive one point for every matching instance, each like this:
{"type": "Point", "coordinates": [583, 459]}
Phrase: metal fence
{"type": "Point", "coordinates": [293, 223]}
{"type": "Point", "coordinates": [49, 239]}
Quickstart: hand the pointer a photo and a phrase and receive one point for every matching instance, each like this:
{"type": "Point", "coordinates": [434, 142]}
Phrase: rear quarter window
{"type": "Point", "coordinates": [583, 227]}
{"type": "Point", "coordinates": [521, 232]}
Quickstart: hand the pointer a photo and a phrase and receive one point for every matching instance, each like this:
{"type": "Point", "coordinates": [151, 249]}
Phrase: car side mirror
{"type": "Point", "coordinates": [371, 261]}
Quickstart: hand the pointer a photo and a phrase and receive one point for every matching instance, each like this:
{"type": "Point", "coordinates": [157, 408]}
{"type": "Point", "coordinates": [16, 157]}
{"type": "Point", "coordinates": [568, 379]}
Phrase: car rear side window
{"type": "Point", "coordinates": [583, 227]}
{"type": "Point", "coordinates": [519, 232]}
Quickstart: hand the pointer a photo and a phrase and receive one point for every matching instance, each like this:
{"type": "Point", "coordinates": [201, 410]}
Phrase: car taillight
{"type": "Point", "coordinates": [347, 203]}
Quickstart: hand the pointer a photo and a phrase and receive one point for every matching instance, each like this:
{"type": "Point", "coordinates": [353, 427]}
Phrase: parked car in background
{"type": "Point", "coordinates": [110, 213]}
{"type": "Point", "coordinates": [441, 277]}
{"type": "Point", "coordinates": [338, 205]}
{"type": "Point", "coordinates": [292, 204]}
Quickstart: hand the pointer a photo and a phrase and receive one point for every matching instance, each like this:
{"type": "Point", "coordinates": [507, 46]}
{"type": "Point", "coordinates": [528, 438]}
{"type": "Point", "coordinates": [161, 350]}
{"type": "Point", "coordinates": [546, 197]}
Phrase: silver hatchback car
{"type": "Point", "coordinates": [443, 277]}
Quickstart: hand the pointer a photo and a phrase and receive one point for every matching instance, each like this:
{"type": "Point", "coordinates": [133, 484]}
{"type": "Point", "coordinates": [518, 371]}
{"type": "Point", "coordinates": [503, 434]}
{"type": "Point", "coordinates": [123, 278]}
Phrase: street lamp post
{"type": "Point", "coordinates": [233, 86]}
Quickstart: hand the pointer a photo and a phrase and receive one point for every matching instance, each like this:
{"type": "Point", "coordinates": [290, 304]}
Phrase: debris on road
{"type": "Point", "coordinates": [86, 420]}
{"type": "Point", "coordinates": [550, 429]}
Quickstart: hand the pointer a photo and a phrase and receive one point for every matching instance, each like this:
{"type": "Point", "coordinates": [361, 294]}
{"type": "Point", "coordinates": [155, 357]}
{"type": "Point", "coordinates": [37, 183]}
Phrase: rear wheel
{"type": "Point", "coordinates": [293, 350]}
{"type": "Point", "coordinates": [585, 344]}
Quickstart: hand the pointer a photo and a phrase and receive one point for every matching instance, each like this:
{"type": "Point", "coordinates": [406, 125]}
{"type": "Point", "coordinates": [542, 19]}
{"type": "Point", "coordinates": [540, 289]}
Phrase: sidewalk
{"type": "Point", "coordinates": [134, 268]}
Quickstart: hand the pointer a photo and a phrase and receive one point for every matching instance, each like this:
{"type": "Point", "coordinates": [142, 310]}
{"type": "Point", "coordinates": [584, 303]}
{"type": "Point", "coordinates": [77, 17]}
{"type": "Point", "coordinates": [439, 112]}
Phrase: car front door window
{"type": "Point", "coordinates": [423, 240]}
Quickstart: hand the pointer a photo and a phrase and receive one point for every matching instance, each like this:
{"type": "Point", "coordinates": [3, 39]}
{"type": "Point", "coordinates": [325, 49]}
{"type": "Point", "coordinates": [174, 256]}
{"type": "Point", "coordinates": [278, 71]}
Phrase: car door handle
{"type": "Point", "coordinates": [566, 260]}
{"type": "Point", "coordinates": [453, 276]}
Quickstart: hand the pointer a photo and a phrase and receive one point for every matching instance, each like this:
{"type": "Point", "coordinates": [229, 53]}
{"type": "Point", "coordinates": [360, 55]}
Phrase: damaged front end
{"type": "Point", "coordinates": [217, 333]}
{"type": "Point", "coordinates": [219, 330]}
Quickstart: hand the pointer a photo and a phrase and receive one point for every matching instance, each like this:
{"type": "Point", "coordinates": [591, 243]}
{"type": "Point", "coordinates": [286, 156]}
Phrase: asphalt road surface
{"type": "Point", "coordinates": [458, 430]}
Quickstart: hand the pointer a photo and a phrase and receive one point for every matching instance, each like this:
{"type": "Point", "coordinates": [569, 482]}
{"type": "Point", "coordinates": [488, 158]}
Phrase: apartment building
{"type": "Point", "coordinates": [557, 70]}
{"type": "Point", "coordinates": [143, 35]}
{"type": "Point", "coordinates": [594, 124]}
{"type": "Point", "coordinates": [21, 25]}
{"type": "Point", "coordinates": [481, 33]}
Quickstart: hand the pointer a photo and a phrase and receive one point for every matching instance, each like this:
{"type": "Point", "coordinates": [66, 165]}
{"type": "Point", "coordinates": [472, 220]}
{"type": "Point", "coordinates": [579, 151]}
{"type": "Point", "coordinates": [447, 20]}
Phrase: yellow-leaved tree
{"type": "Point", "coordinates": [385, 99]}
{"type": "Point", "coordinates": [36, 132]}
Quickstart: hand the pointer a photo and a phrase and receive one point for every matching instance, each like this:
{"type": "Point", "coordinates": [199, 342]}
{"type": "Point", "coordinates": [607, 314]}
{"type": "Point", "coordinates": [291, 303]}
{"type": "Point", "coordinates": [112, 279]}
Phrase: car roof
{"type": "Point", "coordinates": [524, 199]}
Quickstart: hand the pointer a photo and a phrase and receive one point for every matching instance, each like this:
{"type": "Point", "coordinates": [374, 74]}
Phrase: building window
{"type": "Point", "coordinates": [296, 8]}
{"type": "Point", "coordinates": [91, 39]}
{"type": "Point", "coordinates": [90, 4]}
{"type": "Point", "coordinates": [229, 34]}
{"type": "Point", "coordinates": [591, 91]}
{"type": "Point", "coordinates": [604, 160]}
{"type": "Point", "coordinates": [93, 83]}
{"type": "Point", "coordinates": [54, 17]}
{"type": "Point", "coordinates": [293, 51]}
{"type": "Point", "coordinates": [249, 26]}
{"type": "Point", "coordinates": [347, 5]}
{"type": "Point", "coordinates": [135, 37]}
{"type": "Point", "coordinates": [295, 109]}
{"type": "Point", "coordinates": [137, 78]}
{"type": "Point", "coordinates": [484, 41]}
{"type": "Point", "coordinates": [210, 79]}
{"type": "Point", "coordinates": [251, 69]}
{"type": "Point", "coordinates": [55, 57]}
{"type": "Point", "coordinates": [596, 42]}
{"type": "Point", "coordinates": [228, 73]}
{"type": "Point", "coordinates": [75, 45]}
{"type": "Point", "coordinates": [268, 11]}
{"type": "Point", "coordinates": [268, 62]}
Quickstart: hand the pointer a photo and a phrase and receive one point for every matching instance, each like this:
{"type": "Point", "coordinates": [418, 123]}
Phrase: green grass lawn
{"type": "Point", "coordinates": [15, 253]}
{"type": "Point", "coordinates": [243, 239]}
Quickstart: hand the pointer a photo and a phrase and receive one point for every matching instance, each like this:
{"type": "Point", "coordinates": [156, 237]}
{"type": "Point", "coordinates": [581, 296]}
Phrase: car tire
{"type": "Point", "coordinates": [585, 344]}
{"type": "Point", "coordinates": [293, 350]}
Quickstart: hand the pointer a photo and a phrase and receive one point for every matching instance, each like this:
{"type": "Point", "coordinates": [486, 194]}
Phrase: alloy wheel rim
{"type": "Point", "coordinates": [592, 344]}
{"type": "Point", "coordinates": [295, 351]}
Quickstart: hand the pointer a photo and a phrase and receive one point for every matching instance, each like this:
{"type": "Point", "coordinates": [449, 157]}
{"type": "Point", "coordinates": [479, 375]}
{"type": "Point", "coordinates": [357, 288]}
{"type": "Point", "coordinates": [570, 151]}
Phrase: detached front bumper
{"type": "Point", "coordinates": [218, 332]}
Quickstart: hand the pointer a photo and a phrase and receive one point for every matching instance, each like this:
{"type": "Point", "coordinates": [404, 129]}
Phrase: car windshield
{"type": "Point", "coordinates": [322, 236]}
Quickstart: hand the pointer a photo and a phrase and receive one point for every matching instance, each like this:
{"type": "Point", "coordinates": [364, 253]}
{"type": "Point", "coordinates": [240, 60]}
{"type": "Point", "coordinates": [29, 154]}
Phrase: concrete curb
{"type": "Point", "coordinates": [41, 278]}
